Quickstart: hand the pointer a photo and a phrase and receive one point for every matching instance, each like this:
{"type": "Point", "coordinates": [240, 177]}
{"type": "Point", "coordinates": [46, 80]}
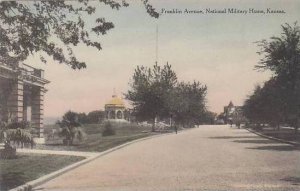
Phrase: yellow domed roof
{"type": "Point", "coordinates": [115, 101]}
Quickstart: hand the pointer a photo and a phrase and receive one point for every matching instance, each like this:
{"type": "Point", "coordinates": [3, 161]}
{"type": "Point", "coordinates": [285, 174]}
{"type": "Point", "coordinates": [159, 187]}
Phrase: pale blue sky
{"type": "Point", "coordinates": [215, 49]}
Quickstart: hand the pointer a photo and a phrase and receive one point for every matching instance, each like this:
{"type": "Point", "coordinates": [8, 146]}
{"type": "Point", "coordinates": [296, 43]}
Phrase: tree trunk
{"type": "Point", "coordinates": [297, 126]}
{"type": "Point", "coordinates": [71, 140]}
{"type": "Point", "coordinates": [153, 125]}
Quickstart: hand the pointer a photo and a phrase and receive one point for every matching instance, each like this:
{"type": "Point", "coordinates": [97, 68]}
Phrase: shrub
{"type": "Point", "coordinates": [70, 133]}
{"type": "Point", "coordinates": [18, 125]}
{"type": "Point", "coordinates": [8, 152]}
{"type": "Point", "coordinates": [108, 130]}
{"type": "Point", "coordinates": [18, 132]}
{"type": "Point", "coordinates": [70, 128]}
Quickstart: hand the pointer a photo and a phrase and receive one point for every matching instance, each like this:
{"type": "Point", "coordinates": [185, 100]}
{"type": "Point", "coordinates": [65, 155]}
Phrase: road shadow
{"type": "Point", "coordinates": [256, 141]}
{"type": "Point", "coordinates": [233, 137]}
{"type": "Point", "coordinates": [292, 180]}
{"type": "Point", "coordinates": [276, 148]}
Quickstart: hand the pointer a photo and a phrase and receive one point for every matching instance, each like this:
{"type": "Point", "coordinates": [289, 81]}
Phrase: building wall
{"type": "Point", "coordinates": [15, 101]}
{"type": "Point", "coordinates": [25, 92]}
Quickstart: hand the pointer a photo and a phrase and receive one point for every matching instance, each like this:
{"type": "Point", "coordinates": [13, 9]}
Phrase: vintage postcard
{"type": "Point", "coordinates": [150, 95]}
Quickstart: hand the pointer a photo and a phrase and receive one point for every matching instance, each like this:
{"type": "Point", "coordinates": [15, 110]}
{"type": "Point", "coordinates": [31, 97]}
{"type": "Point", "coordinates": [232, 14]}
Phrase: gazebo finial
{"type": "Point", "coordinates": [114, 93]}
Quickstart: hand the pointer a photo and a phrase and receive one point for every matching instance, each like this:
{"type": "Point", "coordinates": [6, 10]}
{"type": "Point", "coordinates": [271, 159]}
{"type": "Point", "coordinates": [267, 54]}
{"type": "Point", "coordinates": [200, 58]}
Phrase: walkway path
{"type": "Point", "coordinates": [70, 153]}
{"type": "Point", "coordinates": [206, 158]}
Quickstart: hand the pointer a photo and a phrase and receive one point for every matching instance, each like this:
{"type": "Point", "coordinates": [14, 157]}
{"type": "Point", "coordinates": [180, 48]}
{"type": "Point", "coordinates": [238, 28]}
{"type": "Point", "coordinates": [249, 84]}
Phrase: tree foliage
{"type": "Point", "coordinates": [187, 103]}
{"type": "Point", "coordinates": [266, 105]}
{"type": "Point", "coordinates": [252, 108]}
{"type": "Point", "coordinates": [108, 130]}
{"type": "Point", "coordinates": [17, 132]}
{"type": "Point", "coordinates": [82, 118]}
{"type": "Point", "coordinates": [70, 128]}
{"type": "Point", "coordinates": [278, 101]}
{"type": "Point", "coordinates": [95, 116]}
{"type": "Point", "coordinates": [281, 54]}
{"type": "Point", "coordinates": [156, 93]}
{"type": "Point", "coordinates": [54, 28]}
{"type": "Point", "coordinates": [149, 90]}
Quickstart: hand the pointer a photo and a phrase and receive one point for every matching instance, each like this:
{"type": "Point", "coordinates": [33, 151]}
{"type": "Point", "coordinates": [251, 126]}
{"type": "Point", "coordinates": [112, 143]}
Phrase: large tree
{"type": "Point", "coordinates": [187, 103]}
{"type": "Point", "coordinates": [54, 28]}
{"type": "Point", "coordinates": [266, 104]}
{"type": "Point", "coordinates": [155, 93]}
{"type": "Point", "coordinates": [252, 108]}
{"type": "Point", "coordinates": [149, 91]}
{"type": "Point", "coordinates": [281, 55]}
{"type": "Point", "coordinates": [278, 101]}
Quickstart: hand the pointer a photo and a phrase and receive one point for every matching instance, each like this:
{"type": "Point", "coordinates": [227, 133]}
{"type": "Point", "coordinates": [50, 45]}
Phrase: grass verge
{"type": "Point", "coordinates": [284, 133]}
{"type": "Point", "coordinates": [94, 141]}
{"type": "Point", "coordinates": [25, 168]}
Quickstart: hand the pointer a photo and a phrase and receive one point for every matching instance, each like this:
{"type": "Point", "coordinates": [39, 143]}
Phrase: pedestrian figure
{"type": "Point", "coordinates": [53, 131]}
{"type": "Point", "coordinates": [238, 124]}
{"type": "Point", "coordinates": [175, 126]}
{"type": "Point", "coordinates": [31, 143]}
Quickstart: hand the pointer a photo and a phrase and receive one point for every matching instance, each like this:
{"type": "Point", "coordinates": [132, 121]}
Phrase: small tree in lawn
{"type": "Point", "coordinates": [70, 128]}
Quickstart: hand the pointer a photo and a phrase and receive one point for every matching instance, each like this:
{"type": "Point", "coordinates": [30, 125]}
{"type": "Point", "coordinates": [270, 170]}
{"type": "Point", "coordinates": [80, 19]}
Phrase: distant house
{"type": "Point", "coordinates": [233, 114]}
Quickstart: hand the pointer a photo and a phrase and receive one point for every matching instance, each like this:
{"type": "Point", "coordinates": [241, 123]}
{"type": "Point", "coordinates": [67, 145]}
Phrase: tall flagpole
{"type": "Point", "coordinates": [156, 46]}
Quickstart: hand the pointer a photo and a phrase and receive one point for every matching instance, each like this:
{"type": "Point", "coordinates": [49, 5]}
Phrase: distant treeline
{"type": "Point", "coordinates": [96, 116]}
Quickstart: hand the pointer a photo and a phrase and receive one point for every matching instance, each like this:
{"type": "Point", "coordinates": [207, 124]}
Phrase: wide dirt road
{"type": "Point", "coordinates": [205, 158]}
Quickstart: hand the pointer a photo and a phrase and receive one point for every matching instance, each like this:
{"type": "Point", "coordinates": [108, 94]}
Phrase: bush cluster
{"type": "Point", "coordinates": [108, 130]}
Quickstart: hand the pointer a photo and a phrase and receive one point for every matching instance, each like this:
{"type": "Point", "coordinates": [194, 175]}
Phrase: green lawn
{"type": "Point", "coordinates": [25, 167]}
{"type": "Point", "coordinates": [94, 140]}
{"type": "Point", "coordinates": [284, 133]}
{"type": "Point", "coordinates": [287, 134]}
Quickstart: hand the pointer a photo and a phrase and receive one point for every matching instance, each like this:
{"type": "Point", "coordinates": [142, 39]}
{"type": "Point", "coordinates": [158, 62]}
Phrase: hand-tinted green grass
{"type": "Point", "coordinates": [27, 167]}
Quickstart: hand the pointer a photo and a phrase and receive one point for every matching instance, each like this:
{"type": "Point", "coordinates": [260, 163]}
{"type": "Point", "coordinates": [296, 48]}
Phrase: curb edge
{"type": "Point", "coordinates": [37, 182]}
{"type": "Point", "coordinates": [273, 138]}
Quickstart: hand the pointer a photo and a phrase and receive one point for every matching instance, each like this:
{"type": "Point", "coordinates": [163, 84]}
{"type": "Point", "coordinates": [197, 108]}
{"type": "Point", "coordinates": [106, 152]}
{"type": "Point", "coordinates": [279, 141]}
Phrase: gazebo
{"type": "Point", "coordinates": [115, 109]}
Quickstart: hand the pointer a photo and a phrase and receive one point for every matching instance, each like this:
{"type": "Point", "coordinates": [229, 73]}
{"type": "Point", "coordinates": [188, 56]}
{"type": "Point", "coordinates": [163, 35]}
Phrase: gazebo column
{"type": "Point", "coordinates": [107, 114]}
{"type": "Point", "coordinates": [37, 110]}
{"type": "Point", "coordinates": [122, 113]}
{"type": "Point", "coordinates": [15, 101]}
